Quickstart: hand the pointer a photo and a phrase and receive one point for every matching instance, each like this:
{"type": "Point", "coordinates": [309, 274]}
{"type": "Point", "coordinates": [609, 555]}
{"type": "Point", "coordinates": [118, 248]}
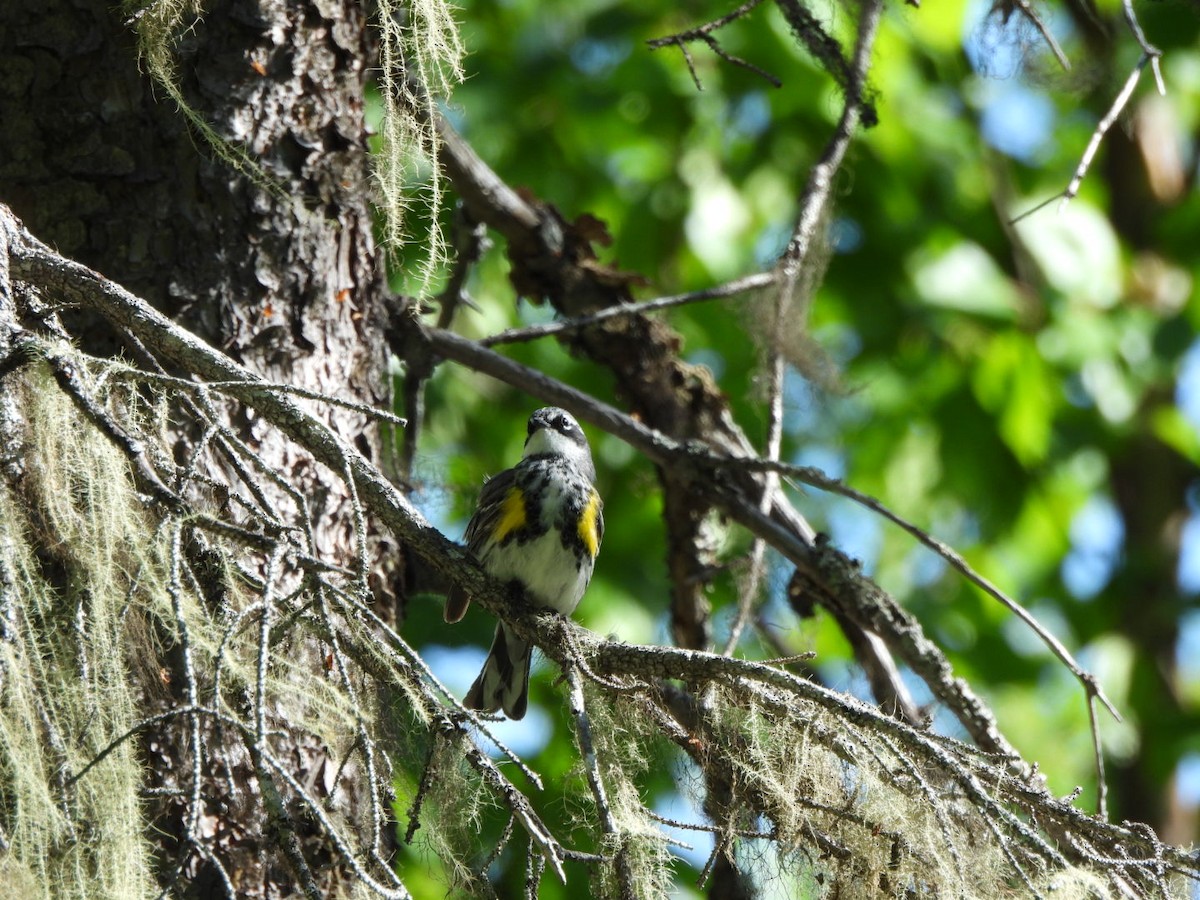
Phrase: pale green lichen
{"type": "Point", "coordinates": [637, 849]}
{"type": "Point", "coordinates": [73, 553]}
{"type": "Point", "coordinates": [421, 60]}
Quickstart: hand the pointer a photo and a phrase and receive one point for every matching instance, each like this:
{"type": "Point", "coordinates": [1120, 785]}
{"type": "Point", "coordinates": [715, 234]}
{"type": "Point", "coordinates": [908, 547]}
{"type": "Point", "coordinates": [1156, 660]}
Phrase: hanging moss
{"type": "Point", "coordinates": [76, 550]}
{"type": "Point", "coordinates": [419, 42]}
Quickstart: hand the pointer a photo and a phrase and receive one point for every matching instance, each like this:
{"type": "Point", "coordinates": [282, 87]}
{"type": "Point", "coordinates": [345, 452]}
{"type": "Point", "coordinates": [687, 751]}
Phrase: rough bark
{"type": "Point", "coordinates": [278, 269]}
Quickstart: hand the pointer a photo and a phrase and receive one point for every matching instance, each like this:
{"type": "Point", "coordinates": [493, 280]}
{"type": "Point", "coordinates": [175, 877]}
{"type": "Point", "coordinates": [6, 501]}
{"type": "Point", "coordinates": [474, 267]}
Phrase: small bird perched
{"type": "Point", "coordinates": [539, 524]}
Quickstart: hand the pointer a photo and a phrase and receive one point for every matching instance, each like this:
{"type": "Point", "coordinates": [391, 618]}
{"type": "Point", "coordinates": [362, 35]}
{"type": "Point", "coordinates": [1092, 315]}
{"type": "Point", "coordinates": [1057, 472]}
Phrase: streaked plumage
{"type": "Point", "coordinates": [539, 523]}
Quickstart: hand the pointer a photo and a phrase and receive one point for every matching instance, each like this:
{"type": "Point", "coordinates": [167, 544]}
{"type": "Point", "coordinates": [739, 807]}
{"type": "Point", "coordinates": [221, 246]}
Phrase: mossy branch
{"type": "Point", "coordinates": [887, 804]}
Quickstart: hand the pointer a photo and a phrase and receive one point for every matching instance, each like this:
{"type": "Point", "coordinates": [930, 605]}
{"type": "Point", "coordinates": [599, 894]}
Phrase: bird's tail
{"type": "Point", "coordinates": [504, 681]}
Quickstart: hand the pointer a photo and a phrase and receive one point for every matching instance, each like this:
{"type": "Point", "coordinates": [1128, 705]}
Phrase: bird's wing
{"type": "Point", "coordinates": [483, 523]}
{"type": "Point", "coordinates": [489, 510]}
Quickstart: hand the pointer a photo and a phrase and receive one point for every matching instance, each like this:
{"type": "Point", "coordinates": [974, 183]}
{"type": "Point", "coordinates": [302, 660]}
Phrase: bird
{"type": "Point", "coordinates": [540, 525]}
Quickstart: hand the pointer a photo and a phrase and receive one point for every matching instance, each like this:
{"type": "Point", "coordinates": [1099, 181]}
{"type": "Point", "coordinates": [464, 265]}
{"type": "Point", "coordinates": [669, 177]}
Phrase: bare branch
{"type": "Point", "coordinates": [1150, 55]}
{"type": "Point", "coordinates": [1098, 756]}
{"type": "Point", "coordinates": [1148, 49]}
{"type": "Point", "coordinates": [741, 285]}
{"type": "Point", "coordinates": [246, 391]}
{"type": "Point", "coordinates": [1039, 23]}
{"type": "Point", "coordinates": [716, 48]}
{"type": "Point", "coordinates": [1102, 127]}
{"type": "Point", "coordinates": [591, 765]}
{"type": "Point", "coordinates": [707, 28]}
{"type": "Point", "coordinates": [828, 52]}
{"type": "Point", "coordinates": [820, 480]}
{"type": "Point", "coordinates": [1008, 807]}
{"type": "Point", "coordinates": [704, 33]}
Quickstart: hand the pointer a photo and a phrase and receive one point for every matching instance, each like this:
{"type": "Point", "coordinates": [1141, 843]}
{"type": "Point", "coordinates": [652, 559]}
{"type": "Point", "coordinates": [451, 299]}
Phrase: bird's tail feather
{"type": "Point", "coordinates": [457, 602]}
{"type": "Point", "coordinates": [504, 681]}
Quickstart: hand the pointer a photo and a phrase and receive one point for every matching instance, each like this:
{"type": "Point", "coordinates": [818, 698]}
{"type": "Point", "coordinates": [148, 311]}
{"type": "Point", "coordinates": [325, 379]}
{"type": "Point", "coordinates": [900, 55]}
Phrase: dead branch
{"type": "Point", "coordinates": [733, 288]}
{"type": "Point", "coordinates": [1150, 56]}
{"type": "Point", "coordinates": [553, 259]}
{"type": "Point", "coordinates": [832, 579]}
{"type": "Point", "coordinates": [704, 34]}
{"type": "Point", "coordinates": [996, 793]}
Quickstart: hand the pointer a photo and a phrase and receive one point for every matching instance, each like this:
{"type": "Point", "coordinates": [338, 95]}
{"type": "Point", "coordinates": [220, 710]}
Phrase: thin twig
{"type": "Point", "coordinates": [748, 595]}
{"type": "Point", "coordinates": [1044, 30]}
{"type": "Point", "coordinates": [535, 865]}
{"type": "Point", "coordinates": [243, 391]}
{"type": "Point", "coordinates": [363, 740]}
{"type": "Point", "coordinates": [742, 285]}
{"type": "Point", "coordinates": [1148, 49]}
{"type": "Point", "coordinates": [428, 776]}
{"type": "Point", "coordinates": [715, 46]}
{"type": "Point", "coordinates": [1098, 756]}
{"type": "Point", "coordinates": [818, 479]}
{"type": "Point", "coordinates": [707, 28]}
{"type": "Point", "coordinates": [134, 450]}
{"type": "Point", "coordinates": [1089, 153]}
{"type": "Point", "coordinates": [1102, 127]}
{"type": "Point", "coordinates": [748, 833]}
{"type": "Point", "coordinates": [144, 725]}
{"type": "Point", "coordinates": [191, 688]}
{"type": "Point", "coordinates": [501, 844]}
{"type": "Point", "coordinates": [591, 765]}
{"type": "Point", "coordinates": [340, 843]}
{"type": "Point", "coordinates": [704, 34]}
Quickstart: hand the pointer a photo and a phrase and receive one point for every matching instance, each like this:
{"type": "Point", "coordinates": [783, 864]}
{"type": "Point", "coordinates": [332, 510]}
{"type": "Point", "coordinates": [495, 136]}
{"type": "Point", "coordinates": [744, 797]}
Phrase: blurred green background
{"type": "Point", "coordinates": [1028, 393]}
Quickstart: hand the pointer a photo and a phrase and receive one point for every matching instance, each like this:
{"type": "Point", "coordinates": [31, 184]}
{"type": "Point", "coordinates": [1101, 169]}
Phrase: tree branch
{"type": "Point", "coordinates": [992, 790]}
{"type": "Point", "coordinates": [1150, 56]}
{"type": "Point", "coordinates": [725, 482]}
{"type": "Point", "coordinates": [704, 34]}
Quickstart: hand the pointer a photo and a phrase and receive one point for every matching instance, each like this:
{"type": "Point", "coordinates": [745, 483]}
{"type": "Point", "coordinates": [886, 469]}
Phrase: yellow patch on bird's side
{"type": "Point", "coordinates": [588, 533]}
{"type": "Point", "coordinates": [512, 514]}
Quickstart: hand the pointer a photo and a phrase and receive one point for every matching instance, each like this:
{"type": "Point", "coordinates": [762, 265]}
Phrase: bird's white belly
{"type": "Point", "coordinates": [545, 567]}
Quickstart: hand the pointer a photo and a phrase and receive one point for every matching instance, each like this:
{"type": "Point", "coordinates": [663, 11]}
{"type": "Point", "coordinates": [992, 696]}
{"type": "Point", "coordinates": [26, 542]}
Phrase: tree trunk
{"type": "Point", "coordinates": [274, 264]}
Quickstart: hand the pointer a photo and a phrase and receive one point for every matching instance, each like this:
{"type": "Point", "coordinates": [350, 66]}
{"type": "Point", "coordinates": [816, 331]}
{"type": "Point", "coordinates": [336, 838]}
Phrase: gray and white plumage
{"type": "Point", "coordinates": [540, 524]}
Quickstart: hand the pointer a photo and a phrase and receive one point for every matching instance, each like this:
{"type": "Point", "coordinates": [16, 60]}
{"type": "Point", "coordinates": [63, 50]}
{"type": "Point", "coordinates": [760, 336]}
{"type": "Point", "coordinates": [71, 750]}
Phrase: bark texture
{"type": "Point", "coordinates": [277, 268]}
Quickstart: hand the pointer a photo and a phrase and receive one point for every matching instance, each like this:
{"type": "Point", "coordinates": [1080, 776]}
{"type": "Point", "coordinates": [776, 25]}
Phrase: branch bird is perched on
{"type": "Point", "coordinates": [539, 524]}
